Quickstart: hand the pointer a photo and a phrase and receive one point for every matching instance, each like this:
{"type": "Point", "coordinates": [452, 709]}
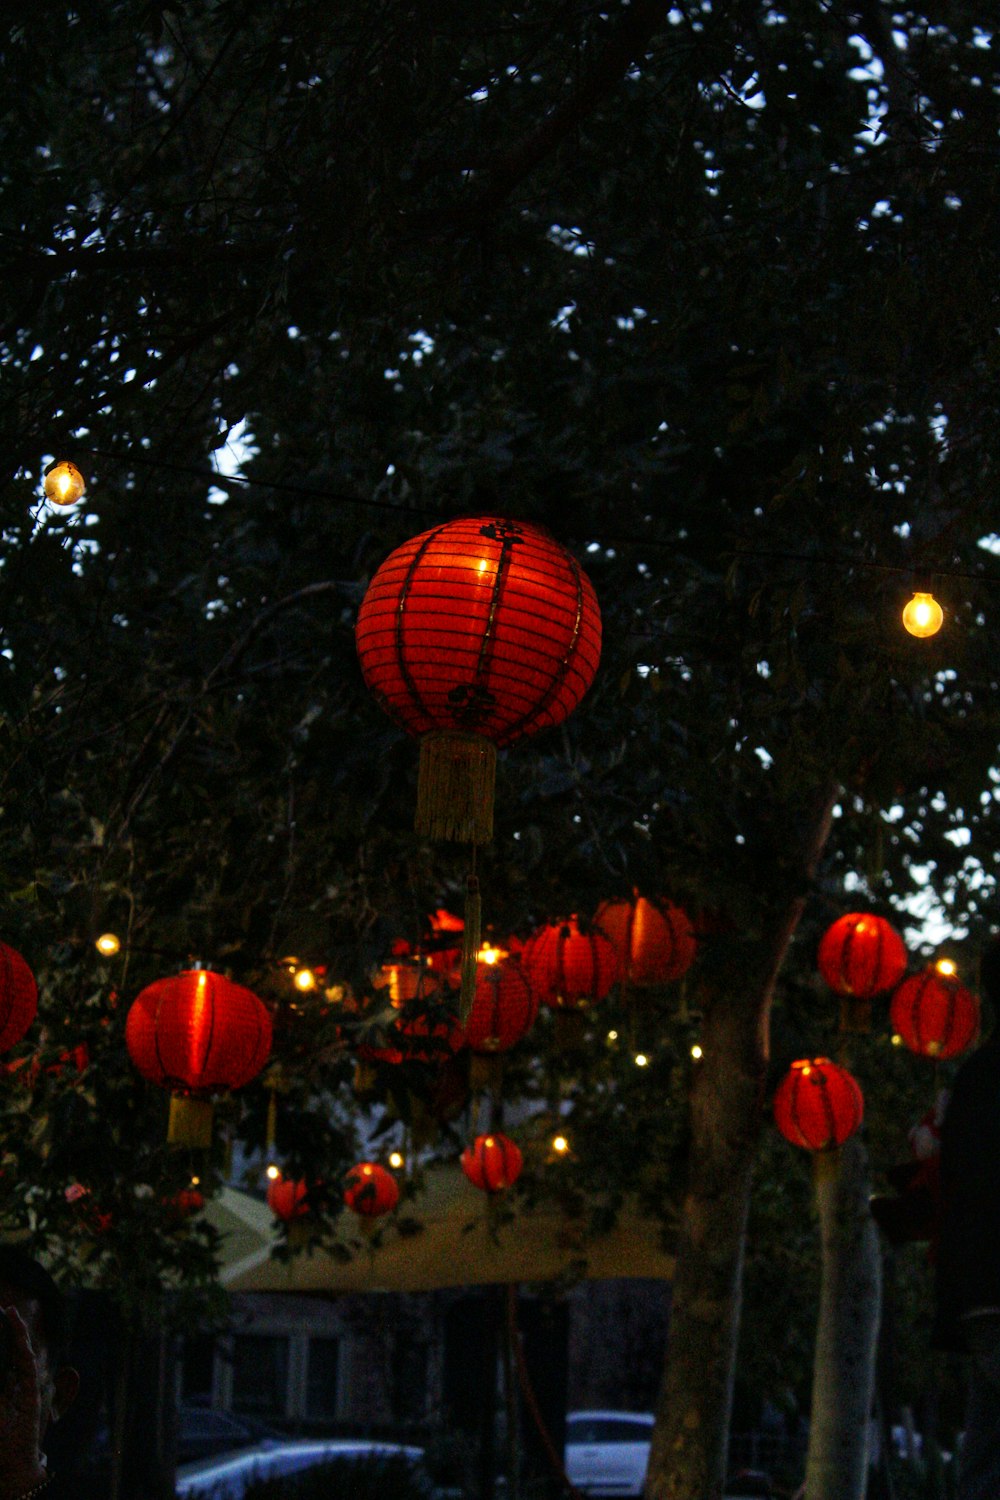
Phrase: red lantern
{"type": "Point", "coordinates": [861, 955]}
{"type": "Point", "coordinates": [492, 1162]}
{"type": "Point", "coordinates": [196, 1034]}
{"type": "Point", "coordinates": [407, 979]}
{"type": "Point", "coordinates": [18, 997]}
{"type": "Point", "coordinates": [286, 1198]}
{"type": "Point", "coordinates": [935, 1014]}
{"type": "Point", "coordinates": [654, 940]}
{"type": "Point", "coordinates": [183, 1205]}
{"type": "Point", "coordinates": [504, 1009]}
{"type": "Point", "coordinates": [818, 1104]}
{"type": "Point", "coordinates": [370, 1190]}
{"type": "Point", "coordinates": [569, 968]}
{"type": "Point", "coordinates": [471, 636]}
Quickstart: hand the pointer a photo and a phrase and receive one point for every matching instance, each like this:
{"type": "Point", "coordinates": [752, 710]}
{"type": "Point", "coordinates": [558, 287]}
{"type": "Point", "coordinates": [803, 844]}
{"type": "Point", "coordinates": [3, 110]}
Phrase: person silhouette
{"type": "Point", "coordinates": [36, 1384]}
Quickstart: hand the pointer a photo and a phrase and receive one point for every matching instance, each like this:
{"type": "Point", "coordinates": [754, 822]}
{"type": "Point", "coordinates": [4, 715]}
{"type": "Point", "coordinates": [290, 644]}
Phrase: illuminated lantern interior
{"type": "Point", "coordinates": [654, 940]}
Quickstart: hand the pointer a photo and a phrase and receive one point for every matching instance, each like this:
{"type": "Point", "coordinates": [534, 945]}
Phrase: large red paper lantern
{"type": "Point", "coordinates": [818, 1104]}
{"type": "Point", "coordinates": [370, 1190]}
{"type": "Point", "coordinates": [18, 997]}
{"type": "Point", "coordinates": [492, 1162]}
{"type": "Point", "coordinates": [471, 636]}
{"type": "Point", "coordinates": [654, 940]}
{"type": "Point", "coordinates": [197, 1034]}
{"type": "Point", "coordinates": [935, 1014]}
{"type": "Point", "coordinates": [568, 968]}
{"type": "Point", "coordinates": [861, 955]}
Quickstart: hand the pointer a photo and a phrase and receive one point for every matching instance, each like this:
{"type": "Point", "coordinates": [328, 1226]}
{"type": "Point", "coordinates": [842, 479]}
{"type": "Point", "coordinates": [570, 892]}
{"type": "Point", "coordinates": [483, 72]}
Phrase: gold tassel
{"type": "Point", "coordinates": [190, 1121]}
{"type": "Point", "coordinates": [455, 787]}
{"type": "Point", "coordinates": [855, 1015]}
{"type": "Point", "coordinates": [473, 917]}
{"type": "Point", "coordinates": [826, 1165]}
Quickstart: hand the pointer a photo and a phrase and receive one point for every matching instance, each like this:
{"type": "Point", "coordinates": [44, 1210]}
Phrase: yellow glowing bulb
{"type": "Point", "coordinates": [560, 1144]}
{"type": "Point", "coordinates": [490, 955]}
{"type": "Point", "coordinates": [612, 1036]}
{"type": "Point", "coordinates": [273, 1172]}
{"type": "Point", "coordinates": [923, 615]}
{"type": "Point", "coordinates": [806, 1070]}
{"type": "Point", "coordinates": [64, 484]}
{"type": "Point", "coordinates": [897, 1040]}
{"type": "Point", "coordinates": [195, 1181]}
{"type": "Point", "coordinates": [696, 1052]}
{"type": "Point", "coordinates": [396, 1159]}
{"type": "Point", "coordinates": [366, 1170]}
{"type": "Point", "coordinates": [108, 944]}
{"type": "Point", "coordinates": [641, 1059]}
{"type": "Point", "coordinates": [304, 980]}
{"type": "Point", "coordinates": [946, 966]}
{"type": "Point", "coordinates": [488, 1141]}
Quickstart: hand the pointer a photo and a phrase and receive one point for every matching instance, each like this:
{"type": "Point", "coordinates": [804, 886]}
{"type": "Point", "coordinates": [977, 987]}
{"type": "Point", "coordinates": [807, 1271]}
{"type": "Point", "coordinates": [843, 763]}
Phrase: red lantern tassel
{"type": "Point", "coordinates": [455, 787]}
{"type": "Point", "coordinates": [473, 916]}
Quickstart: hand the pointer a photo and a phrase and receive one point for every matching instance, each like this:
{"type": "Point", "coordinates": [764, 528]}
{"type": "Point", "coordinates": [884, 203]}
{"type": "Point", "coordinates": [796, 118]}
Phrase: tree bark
{"type": "Point", "coordinates": [847, 1332]}
{"type": "Point", "coordinates": [691, 1437]}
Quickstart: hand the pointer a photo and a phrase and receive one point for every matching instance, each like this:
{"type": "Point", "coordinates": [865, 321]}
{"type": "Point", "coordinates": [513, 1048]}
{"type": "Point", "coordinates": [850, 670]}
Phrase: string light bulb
{"type": "Point", "coordinates": [697, 1053]}
{"type": "Point", "coordinates": [560, 1145]}
{"type": "Point", "coordinates": [304, 980]}
{"type": "Point", "coordinates": [946, 966]}
{"type": "Point", "coordinates": [488, 954]}
{"type": "Point", "coordinates": [64, 484]}
{"type": "Point", "coordinates": [273, 1172]}
{"type": "Point", "coordinates": [396, 1159]}
{"type": "Point", "coordinates": [923, 615]}
{"type": "Point", "coordinates": [641, 1060]}
{"type": "Point", "coordinates": [108, 944]}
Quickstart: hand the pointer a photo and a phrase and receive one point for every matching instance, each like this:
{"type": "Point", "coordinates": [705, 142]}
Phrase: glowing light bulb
{"type": "Point", "coordinates": [612, 1036]}
{"type": "Point", "coordinates": [897, 1040]}
{"type": "Point", "coordinates": [806, 1070]}
{"type": "Point", "coordinates": [366, 1170]}
{"type": "Point", "coordinates": [560, 1144]}
{"type": "Point", "coordinates": [641, 1060]}
{"type": "Point", "coordinates": [696, 1052]}
{"type": "Point", "coordinates": [64, 484]}
{"type": "Point", "coordinates": [304, 980]}
{"type": "Point", "coordinates": [490, 955]}
{"type": "Point", "coordinates": [108, 944]}
{"type": "Point", "coordinates": [195, 1181]}
{"type": "Point", "coordinates": [273, 1172]}
{"type": "Point", "coordinates": [923, 615]}
{"type": "Point", "coordinates": [946, 966]}
{"type": "Point", "coordinates": [396, 1159]}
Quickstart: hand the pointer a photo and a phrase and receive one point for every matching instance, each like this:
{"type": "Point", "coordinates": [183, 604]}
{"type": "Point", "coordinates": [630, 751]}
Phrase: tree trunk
{"type": "Point", "coordinates": [847, 1333]}
{"type": "Point", "coordinates": [691, 1437]}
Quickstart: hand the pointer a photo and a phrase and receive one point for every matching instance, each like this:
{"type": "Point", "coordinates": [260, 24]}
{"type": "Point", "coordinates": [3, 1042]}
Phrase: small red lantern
{"type": "Point", "coordinates": [196, 1034]}
{"type": "Point", "coordinates": [654, 940]}
{"type": "Point", "coordinates": [286, 1198]}
{"type": "Point", "coordinates": [818, 1104]}
{"type": "Point", "coordinates": [18, 997]}
{"type": "Point", "coordinates": [568, 968]}
{"type": "Point", "coordinates": [504, 1009]}
{"type": "Point", "coordinates": [471, 636]}
{"type": "Point", "coordinates": [934, 1013]}
{"type": "Point", "coordinates": [861, 955]}
{"type": "Point", "coordinates": [370, 1190]}
{"type": "Point", "coordinates": [492, 1162]}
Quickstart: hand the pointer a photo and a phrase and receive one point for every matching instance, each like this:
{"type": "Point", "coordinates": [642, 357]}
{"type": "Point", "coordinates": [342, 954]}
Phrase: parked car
{"type": "Point", "coordinates": [227, 1476]}
{"type": "Point", "coordinates": [607, 1452]}
{"type": "Point", "coordinates": [204, 1430]}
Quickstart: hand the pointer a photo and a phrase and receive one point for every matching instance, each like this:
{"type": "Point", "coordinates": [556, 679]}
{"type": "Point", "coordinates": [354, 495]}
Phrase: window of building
{"type": "Point", "coordinates": [321, 1377]}
{"type": "Point", "coordinates": [260, 1374]}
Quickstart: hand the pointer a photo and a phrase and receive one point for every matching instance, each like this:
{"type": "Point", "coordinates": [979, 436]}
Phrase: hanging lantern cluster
{"type": "Point", "coordinates": [818, 1104]}
{"type": "Point", "coordinates": [935, 1014]}
{"type": "Point", "coordinates": [860, 956]}
{"type": "Point", "coordinates": [197, 1034]}
{"type": "Point", "coordinates": [654, 939]}
{"type": "Point", "coordinates": [492, 1162]}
